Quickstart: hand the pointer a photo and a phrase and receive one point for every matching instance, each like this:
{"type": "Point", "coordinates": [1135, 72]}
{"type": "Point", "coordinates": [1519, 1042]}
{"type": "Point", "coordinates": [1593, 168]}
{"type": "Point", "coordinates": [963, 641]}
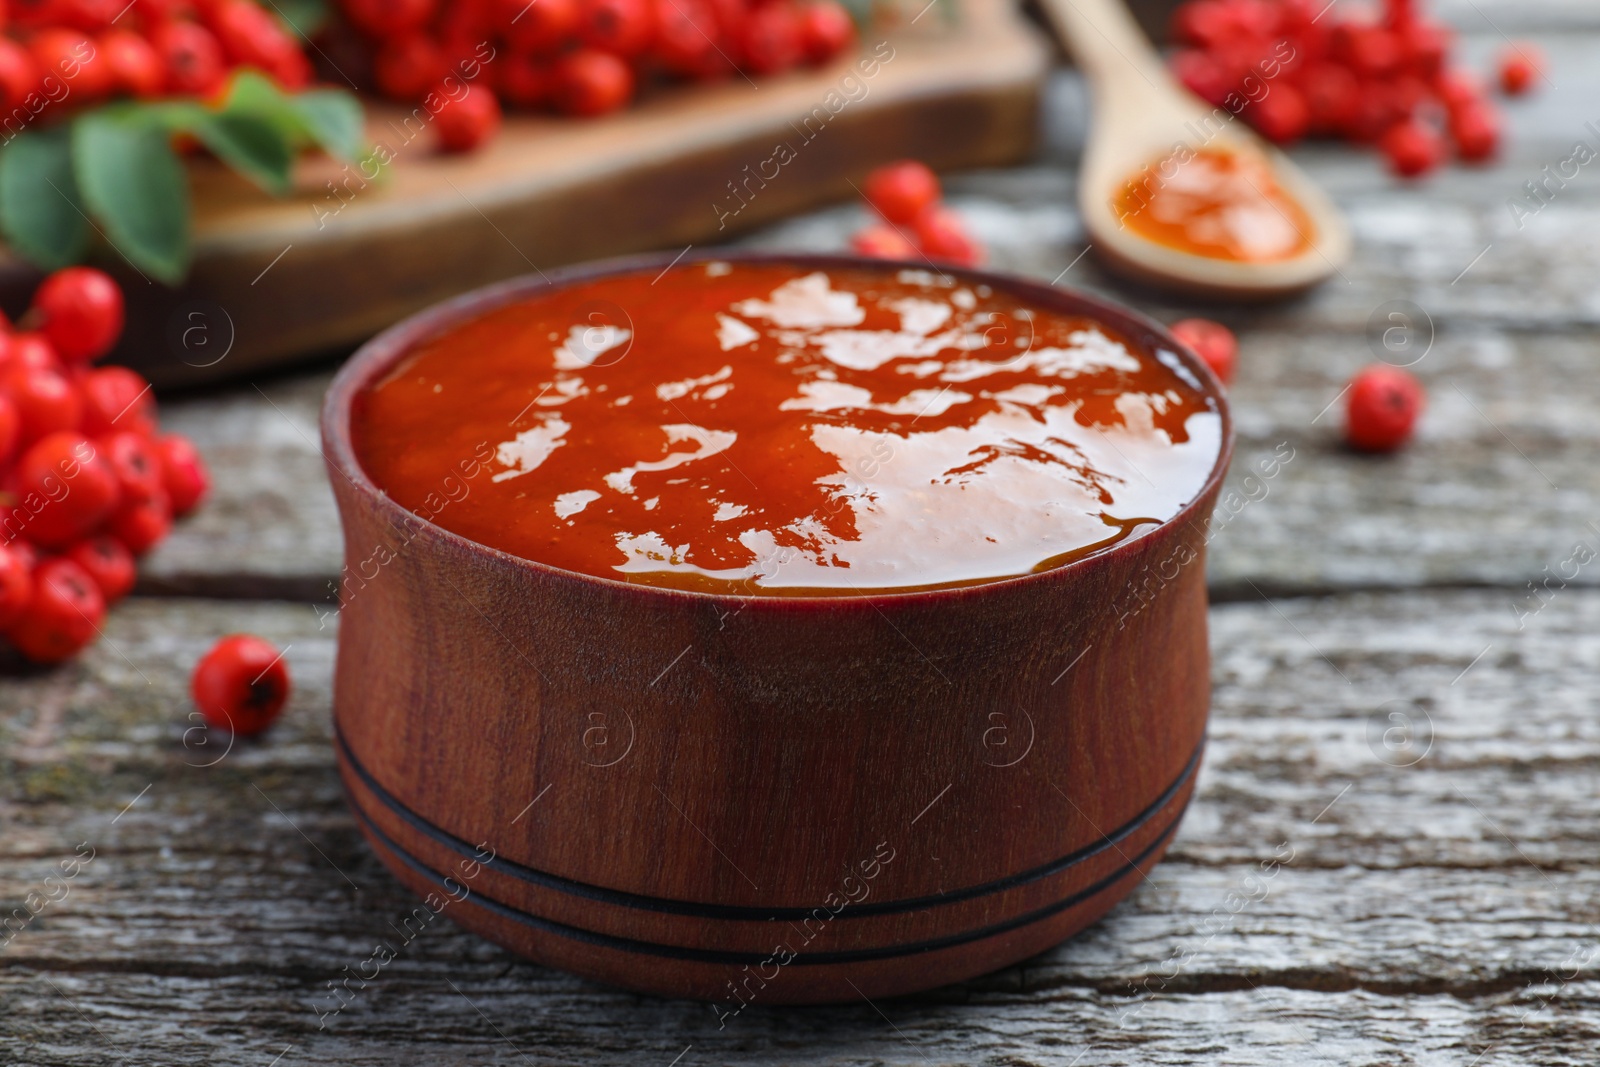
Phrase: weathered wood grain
{"type": "Point", "coordinates": [1426, 913]}
{"type": "Point", "coordinates": [269, 528]}
{"type": "Point", "coordinates": [486, 1015]}
{"type": "Point", "coordinates": [1535, 15]}
{"type": "Point", "coordinates": [193, 910]}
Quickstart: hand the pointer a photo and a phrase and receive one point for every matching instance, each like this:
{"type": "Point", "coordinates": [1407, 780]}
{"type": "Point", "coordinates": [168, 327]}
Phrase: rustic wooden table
{"type": "Point", "coordinates": [1399, 718]}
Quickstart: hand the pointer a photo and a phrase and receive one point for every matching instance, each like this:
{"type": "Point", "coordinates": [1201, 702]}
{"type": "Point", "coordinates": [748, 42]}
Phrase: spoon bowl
{"type": "Point", "coordinates": [1141, 117]}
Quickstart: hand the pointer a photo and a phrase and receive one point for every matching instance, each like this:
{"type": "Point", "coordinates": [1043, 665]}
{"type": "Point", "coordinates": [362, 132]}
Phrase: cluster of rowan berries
{"type": "Point", "coordinates": [579, 57]}
{"type": "Point", "coordinates": [87, 484]}
{"type": "Point", "coordinates": [81, 52]}
{"type": "Point", "coordinates": [1293, 68]}
{"type": "Point", "coordinates": [916, 223]}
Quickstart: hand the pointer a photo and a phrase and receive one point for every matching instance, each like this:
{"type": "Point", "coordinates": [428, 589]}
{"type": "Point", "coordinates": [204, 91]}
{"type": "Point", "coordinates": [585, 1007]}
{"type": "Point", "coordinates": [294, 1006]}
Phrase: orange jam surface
{"type": "Point", "coordinates": [770, 429]}
{"type": "Point", "coordinates": [1218, 204]}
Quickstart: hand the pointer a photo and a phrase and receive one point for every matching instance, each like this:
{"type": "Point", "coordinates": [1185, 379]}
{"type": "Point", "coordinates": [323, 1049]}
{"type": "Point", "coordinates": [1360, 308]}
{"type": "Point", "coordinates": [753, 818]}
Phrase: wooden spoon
{"type": "Point", "coordinates": [1141, 115]}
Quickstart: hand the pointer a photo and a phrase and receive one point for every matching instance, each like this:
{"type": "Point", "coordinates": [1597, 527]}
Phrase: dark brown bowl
{"type": "Point", "coordinates": [763, 799]}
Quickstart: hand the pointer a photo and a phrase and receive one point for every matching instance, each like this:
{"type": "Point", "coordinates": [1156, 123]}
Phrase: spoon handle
{"type": "Point", "coordinates": [1107, 43]}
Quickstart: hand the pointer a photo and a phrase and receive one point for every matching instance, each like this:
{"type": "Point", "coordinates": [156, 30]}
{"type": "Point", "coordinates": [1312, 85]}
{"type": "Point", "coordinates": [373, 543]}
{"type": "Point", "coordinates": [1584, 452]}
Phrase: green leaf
{"type": "Point", "coordinates": [860, 12]}
{"type": "Point", "coordinates": [254, 146]}
{"type": "Point", "coordinates": [302, 17]}
{"type": "Point", "coordinates": [176, 116]}
{"type": "Point", "coordinates": [250, 90]}
{"type": "Point", "coordinates": [253, 93]}
{"type": "Point", "coordinates": [40, 212]}
{"type": "Point", "coordinates": [134, 184]}
{"type": "Point", "coordinates": [333, 118]}
{"type": "Point", "coordinates": [327, 118]}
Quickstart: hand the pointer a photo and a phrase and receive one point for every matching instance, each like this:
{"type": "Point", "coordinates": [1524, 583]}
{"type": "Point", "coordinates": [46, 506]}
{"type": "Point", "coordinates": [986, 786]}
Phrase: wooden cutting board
{"type": "Point", "coordinates": [276, 281]}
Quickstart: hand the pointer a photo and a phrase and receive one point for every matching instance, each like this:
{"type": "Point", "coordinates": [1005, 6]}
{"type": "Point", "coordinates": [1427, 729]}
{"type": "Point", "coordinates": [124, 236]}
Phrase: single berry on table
{"type": "Point", "coordinates": [1382, 408]}
{"type": "Point", "coordinates": [901, 191]}
{"type": "Point", "coordinates": [1212, 342]}
{"type": "Point", "coordinates": [1520, 66]}
{"type": "Point", "coordinates": [942, 236]}
{"type": "Point", "coordinates": [241, 685]}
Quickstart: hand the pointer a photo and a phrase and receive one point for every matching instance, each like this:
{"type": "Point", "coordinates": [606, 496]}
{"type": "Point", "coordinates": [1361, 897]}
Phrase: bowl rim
{"type": "Point", "coordinates": [379, 354]}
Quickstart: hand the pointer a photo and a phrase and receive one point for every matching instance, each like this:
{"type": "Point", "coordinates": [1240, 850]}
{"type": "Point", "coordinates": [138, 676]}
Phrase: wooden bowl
{"type": "Point", "coordinates": [762, 799]}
